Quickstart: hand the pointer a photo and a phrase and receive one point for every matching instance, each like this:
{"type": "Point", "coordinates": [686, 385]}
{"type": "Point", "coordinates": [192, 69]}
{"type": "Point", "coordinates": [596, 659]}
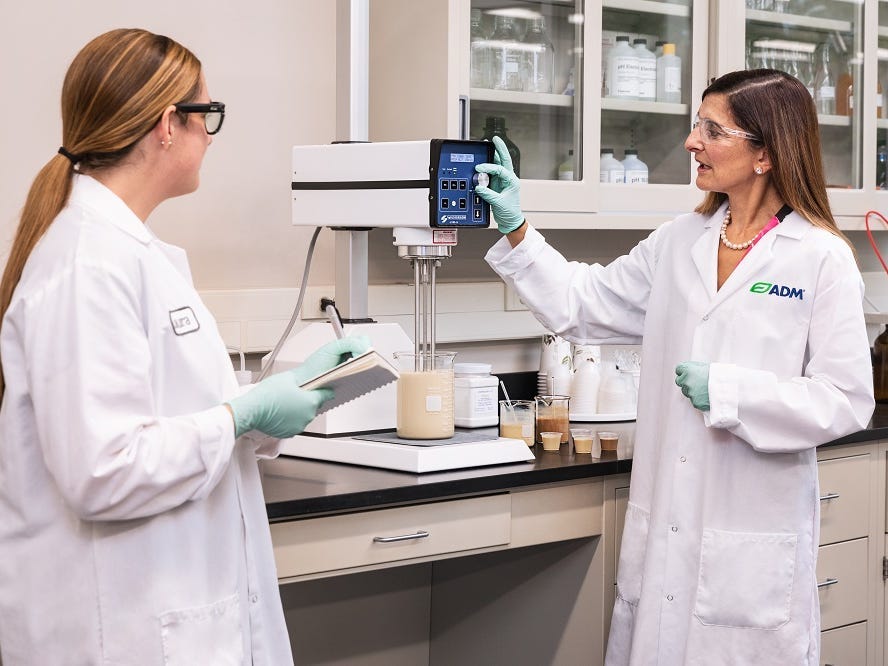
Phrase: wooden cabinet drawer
{"type": "Point", "coordinates": [845, 646]}
{"type": "Point", "coordinates": [316, 545]}
{"type": "Point", "coordinates": [845, 600]}
{"type": "Point", "coordinates": [844, 498]}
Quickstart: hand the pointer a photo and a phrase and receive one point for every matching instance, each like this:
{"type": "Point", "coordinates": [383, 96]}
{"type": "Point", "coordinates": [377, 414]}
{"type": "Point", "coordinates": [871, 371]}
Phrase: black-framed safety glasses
{"type": "Point", "coordinates": [214, 113]}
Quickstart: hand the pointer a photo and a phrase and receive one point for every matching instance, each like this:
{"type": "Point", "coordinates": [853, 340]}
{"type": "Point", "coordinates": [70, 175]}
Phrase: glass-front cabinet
{"type": "Point", "coordinates": [479, 68]}
{"type": "Point", "coordinates": [595, 99]}
{"type": "Point", "coordinates": [651, 81]}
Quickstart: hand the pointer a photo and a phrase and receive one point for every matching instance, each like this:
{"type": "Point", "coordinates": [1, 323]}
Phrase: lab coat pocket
{"type": "Point", "coordinates": [745, 579]}
{"type": "Point", "coordinates": [208, 634]}
{"type": "Point", "coordinates": [631, 567]}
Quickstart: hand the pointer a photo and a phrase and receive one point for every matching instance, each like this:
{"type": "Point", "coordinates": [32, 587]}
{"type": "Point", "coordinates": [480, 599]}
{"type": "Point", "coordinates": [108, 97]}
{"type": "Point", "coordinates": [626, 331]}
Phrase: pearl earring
{"type": "Point", "coordinates": [759, 171]}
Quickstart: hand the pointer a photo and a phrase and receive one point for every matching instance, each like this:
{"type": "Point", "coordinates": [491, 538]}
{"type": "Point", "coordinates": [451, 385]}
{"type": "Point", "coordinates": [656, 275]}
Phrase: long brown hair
{"type": "Point", "coordinates": [114, 93]}
{"type": "Point", "coordinates": [777, 108]}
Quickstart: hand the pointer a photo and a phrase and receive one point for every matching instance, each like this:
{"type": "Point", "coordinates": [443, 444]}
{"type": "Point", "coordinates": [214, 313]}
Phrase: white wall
{"type": "Point", "coordinates": [273, 64]}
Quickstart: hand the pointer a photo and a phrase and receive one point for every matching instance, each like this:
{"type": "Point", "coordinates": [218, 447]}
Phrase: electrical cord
{"type": "Point", "coordinates": [266, 370]}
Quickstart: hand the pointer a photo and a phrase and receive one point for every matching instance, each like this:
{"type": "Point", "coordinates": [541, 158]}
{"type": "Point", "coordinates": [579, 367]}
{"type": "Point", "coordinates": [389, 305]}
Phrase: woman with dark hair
{"type": "Point", "coordinates": [132, 523]}
{"type": "Point", "coordinates": [752, 305]}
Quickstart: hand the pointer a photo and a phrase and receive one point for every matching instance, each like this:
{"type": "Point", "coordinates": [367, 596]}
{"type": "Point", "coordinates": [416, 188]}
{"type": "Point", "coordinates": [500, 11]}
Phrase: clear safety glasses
{"type": "Point", "coordinates": [711, 131]}
{"type": "Point", "coordinates": [214, 113]}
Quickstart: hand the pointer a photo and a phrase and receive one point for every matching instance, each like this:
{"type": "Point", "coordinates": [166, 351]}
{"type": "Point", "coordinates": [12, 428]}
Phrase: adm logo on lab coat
{"type": "Point", "coordinates": [184, 321]}
{"type": "Point", "coordinates": [777, 290]}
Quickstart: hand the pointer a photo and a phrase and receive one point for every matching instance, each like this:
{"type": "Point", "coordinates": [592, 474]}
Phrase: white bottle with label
{"type": "Point", "coordinates": [669, 75]}
{"type": "Point", "coordinates": [636, 171]}
{"type": "Point", "coordinates": [647, 71]}
{"type": "Point", "coordinates": [611, 169]}
{"type": "Point", "coordinates": [475, 398]}
{"type": "Point", "coordinates": [622, 70]}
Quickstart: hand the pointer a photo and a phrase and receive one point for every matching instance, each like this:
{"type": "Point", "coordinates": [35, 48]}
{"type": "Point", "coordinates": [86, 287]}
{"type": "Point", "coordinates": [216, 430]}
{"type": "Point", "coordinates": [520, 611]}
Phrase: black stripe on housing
{"type": "Point", "coordinates": [361, 185]}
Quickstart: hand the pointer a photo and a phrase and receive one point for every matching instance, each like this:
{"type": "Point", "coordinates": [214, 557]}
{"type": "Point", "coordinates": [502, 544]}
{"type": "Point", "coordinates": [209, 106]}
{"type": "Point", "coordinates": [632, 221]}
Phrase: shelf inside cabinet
{"type": "Point", "coordinates": [635, 106]}
{"type": "Point", "coordinates": [834, 121]}
{"type": "Point", "coordinates": [882, 123]}
{"type": "Point", "coordinates": [516, 97]}
{"type": "Point", "coordinates": [648, 7]}
{"type": "Point", "coordinates": [797, 21]}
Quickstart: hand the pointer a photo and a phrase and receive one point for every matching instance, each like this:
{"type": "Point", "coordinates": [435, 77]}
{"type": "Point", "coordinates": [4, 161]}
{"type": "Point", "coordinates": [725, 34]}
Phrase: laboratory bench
{"type": "Point", "coordinates": [516, 564]}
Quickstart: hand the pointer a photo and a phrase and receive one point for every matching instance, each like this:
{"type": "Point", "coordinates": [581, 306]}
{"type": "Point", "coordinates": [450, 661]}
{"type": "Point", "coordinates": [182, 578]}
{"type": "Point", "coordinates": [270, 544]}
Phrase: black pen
{"type": "Point", "coordinates": [336, 323]}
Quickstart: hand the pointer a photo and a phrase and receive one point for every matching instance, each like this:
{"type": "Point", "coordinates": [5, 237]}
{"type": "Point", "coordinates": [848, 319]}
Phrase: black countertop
{"type": "Point", "coordinates": [299, 488]}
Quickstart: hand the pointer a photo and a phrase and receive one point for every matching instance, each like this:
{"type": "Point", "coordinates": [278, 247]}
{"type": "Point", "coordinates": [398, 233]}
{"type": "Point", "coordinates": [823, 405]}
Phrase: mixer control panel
{"type": "Point", "coordinates": [453, 179]}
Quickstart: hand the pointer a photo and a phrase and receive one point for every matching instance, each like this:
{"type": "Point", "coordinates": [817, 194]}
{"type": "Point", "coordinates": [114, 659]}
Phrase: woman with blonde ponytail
{"type": "Point", "coordinates": [132, 523]}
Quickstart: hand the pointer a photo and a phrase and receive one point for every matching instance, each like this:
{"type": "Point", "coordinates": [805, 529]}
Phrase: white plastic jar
{"type": "Point", "coordinates": [475, 399]}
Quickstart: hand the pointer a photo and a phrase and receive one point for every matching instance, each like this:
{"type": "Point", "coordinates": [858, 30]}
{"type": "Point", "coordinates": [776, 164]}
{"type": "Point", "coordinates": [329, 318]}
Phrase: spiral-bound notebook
{"type": "Point", "coordinates": [353, 378]}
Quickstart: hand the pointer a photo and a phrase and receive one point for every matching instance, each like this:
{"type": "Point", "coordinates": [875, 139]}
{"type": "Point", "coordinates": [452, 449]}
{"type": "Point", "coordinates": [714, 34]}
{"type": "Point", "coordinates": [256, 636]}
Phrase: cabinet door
{"type": "Point", "coordinates": [825, 44]}
{"type": "Point", "coordinates": [842, 583]}
{"type": "Point", "coordinates": [844, 498]}
{"type": "Point", "coordinates": [652, 120]}
{"type": "Point", "coordinates": [879, 178]}
{"type": "Point", "coordinates": [460, 68]}
{"type": "Point", "coordinates": [845, 646]}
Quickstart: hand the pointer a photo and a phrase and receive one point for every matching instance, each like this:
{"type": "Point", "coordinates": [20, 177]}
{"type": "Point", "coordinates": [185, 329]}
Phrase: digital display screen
{"type": "Point", "coordinates": [462, 157]}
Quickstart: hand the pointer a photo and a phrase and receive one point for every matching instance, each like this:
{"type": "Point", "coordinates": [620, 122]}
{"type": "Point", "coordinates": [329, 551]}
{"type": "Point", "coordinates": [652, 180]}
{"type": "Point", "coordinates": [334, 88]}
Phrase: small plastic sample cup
{"type": "Point", "coordinates": [551, 440]}
{"type": "Point", "coordinates": [608, 440]}
{"type": "Point", "coordinates": [582, 439]}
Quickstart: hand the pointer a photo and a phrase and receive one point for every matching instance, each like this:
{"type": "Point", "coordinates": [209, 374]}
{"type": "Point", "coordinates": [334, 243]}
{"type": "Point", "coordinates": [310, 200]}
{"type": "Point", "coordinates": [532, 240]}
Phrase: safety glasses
{"type": "Point", "coordinates": [214, 113]}
{"type": "Point", "coordinates": [711, 131]}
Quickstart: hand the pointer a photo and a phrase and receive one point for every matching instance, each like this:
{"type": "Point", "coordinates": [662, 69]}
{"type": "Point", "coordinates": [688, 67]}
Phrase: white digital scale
{"type": "Point", "coordinates": [408, 457]}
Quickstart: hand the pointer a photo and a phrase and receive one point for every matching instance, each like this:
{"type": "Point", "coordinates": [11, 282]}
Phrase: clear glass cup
{"type": "Point", "coordinates": [517, 419]}
{"type": "Point", "coordinates": [425, 395]}
{"type": "Point", "coordinates": [552, 415]}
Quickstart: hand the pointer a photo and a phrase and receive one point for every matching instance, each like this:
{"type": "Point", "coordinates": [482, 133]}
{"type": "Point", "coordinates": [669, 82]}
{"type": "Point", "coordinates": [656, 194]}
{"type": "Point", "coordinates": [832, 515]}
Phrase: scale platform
{"type": "Point", "coordinates": [461, 451]}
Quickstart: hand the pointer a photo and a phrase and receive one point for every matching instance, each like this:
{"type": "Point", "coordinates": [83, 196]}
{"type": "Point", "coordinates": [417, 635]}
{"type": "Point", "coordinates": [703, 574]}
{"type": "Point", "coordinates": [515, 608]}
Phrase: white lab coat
{"type": "Point", "coordinates": [132, 526]}
{"type": "Point", "coordinates": [721, 532]}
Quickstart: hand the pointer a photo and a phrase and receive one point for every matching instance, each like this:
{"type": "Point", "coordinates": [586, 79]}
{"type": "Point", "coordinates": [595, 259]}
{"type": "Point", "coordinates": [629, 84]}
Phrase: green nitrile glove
{"type": "Point", "coordinates": [693, 378]}
{"type": "Point", "coordinates": [503, 193]}
{"type": "Point", "coordinates": [277, 406]}
{"type": "Point", "coordinates": [330, 355]}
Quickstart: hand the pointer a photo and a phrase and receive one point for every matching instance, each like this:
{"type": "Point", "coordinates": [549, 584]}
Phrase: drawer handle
{"type": "Point", "coordinates": [828, 582]}
{"type": "Point", "coordinates": [829, 496]}
{"type": "Point", "coordinates": [420, 534]}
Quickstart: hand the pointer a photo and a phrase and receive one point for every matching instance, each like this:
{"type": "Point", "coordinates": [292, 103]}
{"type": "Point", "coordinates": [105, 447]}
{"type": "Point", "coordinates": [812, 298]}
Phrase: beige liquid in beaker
{"type": "Point", "coordinates": [517, 431]}
{"type": "Point", "coordinates": [425, 404]}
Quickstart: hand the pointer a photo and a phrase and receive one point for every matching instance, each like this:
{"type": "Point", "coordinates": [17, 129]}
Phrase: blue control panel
{"type": "Point", "coordinates": [452, 175]}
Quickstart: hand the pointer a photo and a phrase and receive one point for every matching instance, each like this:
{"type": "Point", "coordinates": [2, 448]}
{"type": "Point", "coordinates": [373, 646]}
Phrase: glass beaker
{"type": "Point", "coordinates": [552, 415]}
{"type": "Point", "coordinates": [425, 395]}
{"type": "Point", "coordinates": [517, 420]}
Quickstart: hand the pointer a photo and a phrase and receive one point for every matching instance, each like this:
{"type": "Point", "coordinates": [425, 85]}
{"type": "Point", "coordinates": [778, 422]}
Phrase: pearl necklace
{"type": "Point", "coordinates": [724, 235]}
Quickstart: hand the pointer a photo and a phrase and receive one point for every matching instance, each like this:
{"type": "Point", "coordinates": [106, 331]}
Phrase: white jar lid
{"type": "Point", "coordinates": [472, 368]}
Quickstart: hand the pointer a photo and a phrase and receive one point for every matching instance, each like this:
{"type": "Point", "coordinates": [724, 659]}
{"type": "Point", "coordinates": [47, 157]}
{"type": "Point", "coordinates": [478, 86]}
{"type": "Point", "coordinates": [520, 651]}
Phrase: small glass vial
{"type": "Point", "coordinates": [475, 399]}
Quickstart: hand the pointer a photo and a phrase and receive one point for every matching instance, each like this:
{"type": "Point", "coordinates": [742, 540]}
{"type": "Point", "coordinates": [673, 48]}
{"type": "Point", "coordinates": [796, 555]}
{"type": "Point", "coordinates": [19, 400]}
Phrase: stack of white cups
{"type": "Point", "coordinates": [586, 380]}
{"type": "Point", "coordinates": [554, 375]}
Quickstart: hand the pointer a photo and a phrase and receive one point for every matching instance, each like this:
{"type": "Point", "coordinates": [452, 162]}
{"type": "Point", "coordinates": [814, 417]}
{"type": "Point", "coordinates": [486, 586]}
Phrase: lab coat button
{"type": "Point", "coordinates": [675, 528]}
{"type": "Point", "coordinates": [254, 598]}
{"type": "Point", "coordinates": [683, 459]}
{"type": "Point", "coordinates": [706, 317]}
{"type": "Point", "coordinates": [669, 597]}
